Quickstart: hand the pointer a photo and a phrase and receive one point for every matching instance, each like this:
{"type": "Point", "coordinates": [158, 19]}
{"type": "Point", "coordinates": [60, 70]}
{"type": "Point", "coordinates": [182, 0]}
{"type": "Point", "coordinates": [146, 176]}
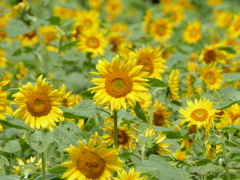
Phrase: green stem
{"type": "Point", "coordinates": [3, 168]}
{"type": "Point", "coordinates": [143, 152]}
{"type": "Point", "coordinates": [225, 160]}
{"type": "Point", "coordinates": [96, 122]}
{"type": "Point", "coordinates": [115, 133]}
{"type": "Point", "coordinates": [43, 166]}
{"type": "Point", "coordinates": [89, 59]}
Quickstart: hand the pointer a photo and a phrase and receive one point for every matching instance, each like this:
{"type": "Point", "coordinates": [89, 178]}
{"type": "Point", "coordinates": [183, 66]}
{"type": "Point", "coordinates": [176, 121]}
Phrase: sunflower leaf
{"type": "Point", "coordinates": [87, 94]}
{"type": "Point", "coordinates": [228, 100]}
{"type": "Point", "coordinates": [11, 122]}
{"type": "Point", "coordinates": [153, 82]}
{"type": "Point", "coordinates": [139, 112]}
{"type": "Point", "coordinates": [202, 162]}
{"type": "Point", "coordinates": [228, 50]}
{"type": "Point", "coordinates": [57, 169]}
{"type": "Point", "coordinates": [11, 177]}
{"type": "Point", "coordinates": [11, 147]}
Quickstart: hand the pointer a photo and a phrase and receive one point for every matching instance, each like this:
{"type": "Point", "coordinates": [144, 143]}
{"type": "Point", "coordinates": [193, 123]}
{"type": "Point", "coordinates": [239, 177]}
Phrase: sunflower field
{"type": "Point", "coordinates": [120, 90]}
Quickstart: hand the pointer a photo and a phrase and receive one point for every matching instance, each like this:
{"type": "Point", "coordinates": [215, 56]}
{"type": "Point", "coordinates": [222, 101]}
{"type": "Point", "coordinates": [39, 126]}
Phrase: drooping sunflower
{"type": "Point", "coordinates": [29, 39]}
{"type": "Point", "coordinates": [88, 162]}
{"type": "Point", "coordinates": [173, 81]}
{"type": "Point", "coordinates": [160, 115]}
{"type": "Point", "coordinates": [119, 84]}
{"type": "Point", "coordinates": [38, 105]}
{"type": "Point", "coordinates": [161, 29]}
{"type": "Point", "coordinates": [152, 61]}
{"type": "Point", "coordinates": [174, 13]}
{"type": "Point", "coordinates": [212, 77]}
{"type": "Point", "coordinates": [131, 175]}
{"type": "Point", "coordinates": [223, 19]}
{"type": "Point", "coordinates": [192, 33]}
{"type": "Point", "coordinates": [234, 29]}
{"type": "Point", "coordinates": [93, 41]}
{"type": "Point", "coordinates": [199, 113]}
{"type": "Point", "coordinates": [125, 137]}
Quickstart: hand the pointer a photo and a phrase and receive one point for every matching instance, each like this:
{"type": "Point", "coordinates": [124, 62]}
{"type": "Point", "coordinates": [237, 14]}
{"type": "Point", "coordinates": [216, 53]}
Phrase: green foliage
{"type": "Point", "coordinates": [228, 100]}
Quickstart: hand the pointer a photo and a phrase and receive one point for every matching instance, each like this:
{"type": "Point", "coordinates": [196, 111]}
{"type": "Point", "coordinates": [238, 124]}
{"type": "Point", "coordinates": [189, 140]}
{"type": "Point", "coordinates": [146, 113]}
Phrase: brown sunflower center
{"type": "Point", "coordinates": [192, 129]}
{"type": "Point", "coordinates": [158, 119]}
{"type": "Point", "coordinates": [210, 56]}
{"type": "Point", "coordinates": [91, 165]}
{"type": "Point", "coordinates": [122, 137]}
{"type": "Point", "coordinates": [39, 104]}
{"type": "Point", "coordinates": [210, 77]}
{"type": "Point", "coordinates": [118, 85]}
{"type": "Point", "coordinates": [199, 114]}
{"type": "Point", "coordinates": [147, 65]}
{"type": "Point", "coordinates": [161, 29]}
{"type": "Point", "coordinates": [93, 42]}
{"type": "Point", "coordinates": [31, 34]}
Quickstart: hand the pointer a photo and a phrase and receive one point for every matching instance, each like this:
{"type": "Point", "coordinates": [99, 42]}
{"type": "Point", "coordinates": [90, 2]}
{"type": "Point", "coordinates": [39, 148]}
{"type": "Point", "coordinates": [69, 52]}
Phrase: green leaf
{"type": "Point", "coordinates": [153, 82]}
{"type": "Point", "coordinates": [11, 177]}
{"type": "Point", "coordinates": [38, 140]}
{"type": "Point", "coordinates": [3, 161]}
{"type": "Point", "coordinates": [175, 135]}
{"type": "Point", "coordinates": [54, 20]}
{"type": "Point", "coordinates": [228, 49]}
{"type": "Point", "coordinates": [16, 27]}
{"type": "Point", "coordinates": [12, 91]}
{"type": "Point", "coordinates": [231, 144]}
{"type": "Point", "coordinates": [202, 162]}
{"type": "Point", "coordinates": [139, 112]}
{"type": "Point", "coordinates": [57, 170]}
{"type": "Point", "coordinates": [87, 94]}
{"type": "Point", "coordinates": [215, 139]}
{"type": "Point", "coordinates": [18, 124]}
{"type": "Point", "coordinates": [228, 100]}
{"type": "Point", "coordinates": [69, 45]}
{"type": "Point", "coordinates": [11, 147]}
{"type": "Point", "coordinates": [231, 128]}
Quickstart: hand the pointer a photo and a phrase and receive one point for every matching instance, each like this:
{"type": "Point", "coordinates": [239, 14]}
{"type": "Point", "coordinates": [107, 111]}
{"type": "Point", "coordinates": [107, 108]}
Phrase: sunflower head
{"type": "Point", "coordinates": [173, 81]}
{"type": "Point", "coordinates": [192, 33]}
{"type": "Point", "coordinates": [180, 155]}
{"type": "Point", "coordinates": [160, 115]}
{"type": "Point", "coordinates": [88, 162]}
{"type": "Point", "coordinates": [123, 175]}
{"type": "Point", "coordinates": [119, 84]}
{"type": "Point", "coordinates": [161, 29]}
{"type": "Point", "coordinates": [38, 105]}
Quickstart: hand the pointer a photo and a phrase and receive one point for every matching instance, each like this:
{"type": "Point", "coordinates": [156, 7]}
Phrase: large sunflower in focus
{"type": "Point", "coordinates": [93, 42]}
{"type": "Point", "coordinates": [119, 84]}
{"type": "Point", "coordinates": [38, 105]}
{"type": "Point", "coordinates": [91, 163]}
{"type": "Point", "coordinates": [199, 113]}
{"type": "Point", "coordinates": [152, 61]}
{"type": "Point", "coordinates": [192, 33]}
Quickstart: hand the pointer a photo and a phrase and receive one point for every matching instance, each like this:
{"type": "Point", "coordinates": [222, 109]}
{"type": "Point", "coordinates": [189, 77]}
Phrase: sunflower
{"type": "Point", "coordinates": [192, 33]}
{"type": "Point", "coordinates": [234, 29]}
{"type": "Point", "coordinates": [68, 100]}
{"type": "Point", "coordinates": [173, 81]}
{"type": "Point", "coordinates": [29, 39]}
{"type": "Point", "coordinates": [147, 20]}
{"type": "Point", "coordinates": [152, 61]}
{"type": "Point", "coordinates": [64, 13]}
{"type": "Point", "coordinates": [49, 33]}
{"type": "Point", "coordinates": [161, 29]}
{"type": "Point", "coordinates": [223, 19]}
{"type": "Point", "coordinates": [174, 14]}
{"type": "Point", "coordinates": [199, 113]}
{"type": "Point", "coordinates": [38, 105]}
{"type": "Point", "coordinates": [212, 77]}
{"type": "Point", "coordinates": [91, 163]}
{"type": "Point", "coordinates": [180, 155]}
{"type": "Point", "coordinates": [23, 70]}
{"type": "Point", "coordinates": [125, 137]}
{"type": "Point", "coordinates": [212, 150]}
{"type": "Point", "coordinates": [113, 8]}
{"type": "Point", "coordinates": [95, 4]}
{"type": "Point", "coordinates": [85, 20]}
{"type": "Point", "coordinates": [212, 53]}
{"type": "Point", "coordinates": [131, 175]}
{"type": "Point", "coordinates": [160, 115]}
{"type": "Point", "coordinates": [4, 103]}
{"type": "Point", "coordinates": [187, 143]}
{"type": "Point", "coordinates": [116, 39]}
{"type": "Point", "coordinates": [119, 83]}
{"type": "Point", "coordinates": [3, 60]}
{"type": "Point", "coordinates": [214, 2]}
{"type": "Point", "coordinates": [94, 42]}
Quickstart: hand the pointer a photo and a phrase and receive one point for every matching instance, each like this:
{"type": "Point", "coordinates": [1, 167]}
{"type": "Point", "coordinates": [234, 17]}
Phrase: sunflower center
{"type": "Point", "coordinates": [210, 56]}
{"type": "Point", "coordinates": [91, 165]}
{"type": "Point", "coordinates": [199, 115]}
{"type": "Point", "coordinates": [39, 104]}
{"type": "Point", "coordinates": [193, 32]}
{"type": "Point", "coordinates": [118, 85]}
{"type": "Point", "coordinates": [31, 34]}
{"type": "Point", "coordinates": [158, 118]}
{"type": "Point", "coordinates": [147, 65]}
{"type": "Point", "coordinates": [122, 137]}
{"type": "Point", "coordinates": [87, 23]}
{"type": "Point", "coordinates": [93, 42]}
{"type": "Point", "coordinates": [161, 30]}
{"type": "Point", "coordinates": [235, 117]}
{"type": "Point", "coordinates": [192, 129]}
{"type": "Point", "coordinates": [210, 77]}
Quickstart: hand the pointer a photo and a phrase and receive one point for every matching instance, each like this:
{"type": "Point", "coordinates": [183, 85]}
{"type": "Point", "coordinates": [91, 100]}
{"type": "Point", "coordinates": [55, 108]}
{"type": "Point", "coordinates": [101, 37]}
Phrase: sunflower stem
{"type": "Point", "coordinates": [96, 122]}
{"type": "Point", "coordinates": [115, 134]}
{"type": "Point", "coordinates": [43, 166]}
{"type": "Point", "coordinates": [225, 160]}
{"type": "Point", "coordinates": [89, 59]}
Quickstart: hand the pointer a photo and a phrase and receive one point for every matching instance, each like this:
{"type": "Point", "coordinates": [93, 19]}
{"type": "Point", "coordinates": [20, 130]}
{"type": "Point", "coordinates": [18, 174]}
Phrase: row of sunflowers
{"type": "Point", "coordinates": [119, 89]}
